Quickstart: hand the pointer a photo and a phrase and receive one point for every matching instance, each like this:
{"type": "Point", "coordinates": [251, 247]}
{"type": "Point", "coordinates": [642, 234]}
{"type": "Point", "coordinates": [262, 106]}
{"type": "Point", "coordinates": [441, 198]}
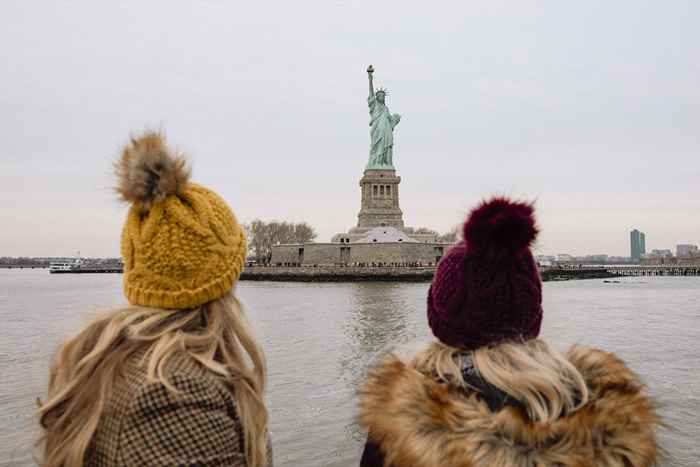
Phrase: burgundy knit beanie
{"type": "Point", "coordinates": [487, 288]}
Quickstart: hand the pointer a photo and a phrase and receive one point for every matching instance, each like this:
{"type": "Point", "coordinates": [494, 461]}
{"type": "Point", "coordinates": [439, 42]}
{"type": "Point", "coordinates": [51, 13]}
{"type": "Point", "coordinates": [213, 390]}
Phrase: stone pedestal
{"type": "Point", "coordinates": [380, 201]}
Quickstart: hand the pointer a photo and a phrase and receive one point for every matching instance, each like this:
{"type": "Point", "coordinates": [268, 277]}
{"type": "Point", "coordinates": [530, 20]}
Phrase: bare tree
{"type": "Point", "coordinates": [453, 236]}
{"type": "Point", "coordinates": [262, 236]}
{"type": "Point", "coordinates": [256, 232]}
{"type": "Point", "coordinates": [303, 233]}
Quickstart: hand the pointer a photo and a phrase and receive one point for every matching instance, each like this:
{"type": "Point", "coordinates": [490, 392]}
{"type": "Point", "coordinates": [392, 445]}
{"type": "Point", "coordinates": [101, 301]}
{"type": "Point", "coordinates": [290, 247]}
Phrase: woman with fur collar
{"type": "Point", "coordinates": [489, 392]}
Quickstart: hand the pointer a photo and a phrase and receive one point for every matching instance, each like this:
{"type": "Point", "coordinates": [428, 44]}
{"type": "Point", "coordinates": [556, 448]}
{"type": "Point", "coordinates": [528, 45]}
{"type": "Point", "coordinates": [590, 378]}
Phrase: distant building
{"type": "Point", "coordinates": [619, 259]}
{"type": "Point", "coordinates": [660, 254]}
{"type": "Point", "coordinates": [687, 250]}
{"type": "Point", "coordinates": [658, 257]}
{"type": "Point", "coordinates": [637, 244]}
{"type": "Point", "coordinates": [596, 258]}
{"type": "Point", "coordinates": [545, 260]}
{"type": "Point", "coordinates": [564, 258]}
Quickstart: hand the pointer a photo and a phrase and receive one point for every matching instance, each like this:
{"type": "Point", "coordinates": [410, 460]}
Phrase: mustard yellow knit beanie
{"type": "Point", "coordinates": [181, 244]}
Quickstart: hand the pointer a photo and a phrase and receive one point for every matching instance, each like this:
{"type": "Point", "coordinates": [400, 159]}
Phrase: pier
{"type": "Point", "coordinates": [641, 270]}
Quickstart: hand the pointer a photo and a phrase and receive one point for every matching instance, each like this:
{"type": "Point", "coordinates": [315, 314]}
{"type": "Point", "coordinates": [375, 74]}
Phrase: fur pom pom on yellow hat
{"type": "Point", "coordinates": [181, 243]}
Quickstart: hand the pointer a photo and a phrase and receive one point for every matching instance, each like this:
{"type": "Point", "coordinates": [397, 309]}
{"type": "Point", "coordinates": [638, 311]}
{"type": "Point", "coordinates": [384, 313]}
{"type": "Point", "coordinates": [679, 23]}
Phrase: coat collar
{"type": "Point", "coordinates": [418, 421]}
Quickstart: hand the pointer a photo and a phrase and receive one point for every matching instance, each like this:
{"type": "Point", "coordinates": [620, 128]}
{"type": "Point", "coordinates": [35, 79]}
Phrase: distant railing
{"type": "Point", "coordinates": [639, 269]}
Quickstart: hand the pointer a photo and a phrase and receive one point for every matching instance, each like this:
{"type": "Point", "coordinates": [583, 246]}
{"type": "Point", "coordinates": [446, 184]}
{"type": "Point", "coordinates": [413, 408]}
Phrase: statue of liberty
{"type": "Point", "coordinates": [382, 123]}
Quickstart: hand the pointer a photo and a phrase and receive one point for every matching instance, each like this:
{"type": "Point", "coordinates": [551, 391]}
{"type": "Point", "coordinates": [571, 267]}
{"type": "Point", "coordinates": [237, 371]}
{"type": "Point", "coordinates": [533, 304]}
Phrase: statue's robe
{"type": "Point", "coordinates": [382, 125]}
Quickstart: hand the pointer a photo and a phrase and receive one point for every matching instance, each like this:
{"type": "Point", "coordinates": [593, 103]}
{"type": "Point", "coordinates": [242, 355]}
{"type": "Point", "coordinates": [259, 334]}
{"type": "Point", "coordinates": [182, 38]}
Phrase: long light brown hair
{"type": "Point", "coordinates": [532, 372]}
{"type": "Point", "coordinates": [217, 335]}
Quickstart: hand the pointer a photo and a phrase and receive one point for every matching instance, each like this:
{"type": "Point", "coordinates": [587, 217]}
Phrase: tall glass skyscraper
{"type": "Point", "coordinates": [637, 244]}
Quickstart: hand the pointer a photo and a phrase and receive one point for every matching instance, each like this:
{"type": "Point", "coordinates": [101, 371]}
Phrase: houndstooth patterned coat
{"type": "Point", "coordinates": [144, 424]}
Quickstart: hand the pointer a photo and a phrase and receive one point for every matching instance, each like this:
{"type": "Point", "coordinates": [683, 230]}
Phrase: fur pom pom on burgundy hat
{"type": "Point", "coordinates": [487, 288]}
{"type": "Point", "coordinates": [501, 223]}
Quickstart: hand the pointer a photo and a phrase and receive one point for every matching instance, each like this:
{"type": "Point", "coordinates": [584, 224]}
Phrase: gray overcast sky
{"type": "Point", "coordinates": [592, 108]}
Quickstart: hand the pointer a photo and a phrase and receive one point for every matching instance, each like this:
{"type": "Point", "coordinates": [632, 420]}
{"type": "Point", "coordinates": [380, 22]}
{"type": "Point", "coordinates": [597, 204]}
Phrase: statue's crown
{"type": "Point", "coordinates": [383, 90]}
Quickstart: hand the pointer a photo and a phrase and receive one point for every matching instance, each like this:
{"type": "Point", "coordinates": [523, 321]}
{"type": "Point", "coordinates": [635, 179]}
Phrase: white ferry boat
{"type": "Point", "coordinates": [65, 266]}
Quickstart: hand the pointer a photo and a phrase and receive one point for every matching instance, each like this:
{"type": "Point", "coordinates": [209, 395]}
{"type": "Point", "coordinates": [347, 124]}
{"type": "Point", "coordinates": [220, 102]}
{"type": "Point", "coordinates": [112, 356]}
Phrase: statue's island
{"type": "Point", "coordinates": [380, 239]}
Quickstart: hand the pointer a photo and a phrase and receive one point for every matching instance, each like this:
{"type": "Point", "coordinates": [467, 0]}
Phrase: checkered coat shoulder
{"type": "Point", "coordinates": [146, 424]}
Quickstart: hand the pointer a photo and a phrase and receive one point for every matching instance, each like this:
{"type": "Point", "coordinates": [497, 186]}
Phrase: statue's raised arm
{"type": "Point", "coordinates": [370, 73]}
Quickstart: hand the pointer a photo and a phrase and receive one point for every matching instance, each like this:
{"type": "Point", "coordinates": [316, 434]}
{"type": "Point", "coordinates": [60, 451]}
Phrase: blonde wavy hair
{"type": "Point", "coordinates": [217, 335]}
{"type": "Point", "coordinates": [532, 372]}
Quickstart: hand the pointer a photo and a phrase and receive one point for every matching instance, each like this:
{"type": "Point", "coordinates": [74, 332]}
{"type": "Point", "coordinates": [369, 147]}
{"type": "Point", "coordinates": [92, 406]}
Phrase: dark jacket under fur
{"type": "Point", "coordinates": [414, 420]}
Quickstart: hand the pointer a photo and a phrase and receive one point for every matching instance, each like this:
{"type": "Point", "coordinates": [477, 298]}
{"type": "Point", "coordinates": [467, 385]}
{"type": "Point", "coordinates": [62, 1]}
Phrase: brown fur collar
{"type": "Point", "coordinates": [418, 422]}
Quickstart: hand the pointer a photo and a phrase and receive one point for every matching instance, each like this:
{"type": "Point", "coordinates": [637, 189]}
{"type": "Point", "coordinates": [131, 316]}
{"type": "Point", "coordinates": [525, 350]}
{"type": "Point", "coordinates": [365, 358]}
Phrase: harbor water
{"type": "Point", "coordinates": [320, 337]}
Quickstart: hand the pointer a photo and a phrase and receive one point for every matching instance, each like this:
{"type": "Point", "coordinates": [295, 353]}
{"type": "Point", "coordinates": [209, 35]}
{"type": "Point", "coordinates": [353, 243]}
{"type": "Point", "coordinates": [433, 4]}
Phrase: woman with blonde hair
{"type": "Point", "coordinates": [176, 377]}
{"type": "Point", "coordinates": [489, 392]}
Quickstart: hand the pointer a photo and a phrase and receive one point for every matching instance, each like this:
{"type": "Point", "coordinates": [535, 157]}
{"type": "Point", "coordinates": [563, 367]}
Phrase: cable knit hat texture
{"type": "Point", "coordinates": [487, 288]}
{"type": "Point", "coordinates": [181, 244]}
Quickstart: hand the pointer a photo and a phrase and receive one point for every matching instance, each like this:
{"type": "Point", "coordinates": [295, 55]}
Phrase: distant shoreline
{"type": "Point", "coordinates": [24, 266]}
{"type": "Point", "coordinates": [339, 273]}
{"type": "Point", "coordinates": [385, 274]}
